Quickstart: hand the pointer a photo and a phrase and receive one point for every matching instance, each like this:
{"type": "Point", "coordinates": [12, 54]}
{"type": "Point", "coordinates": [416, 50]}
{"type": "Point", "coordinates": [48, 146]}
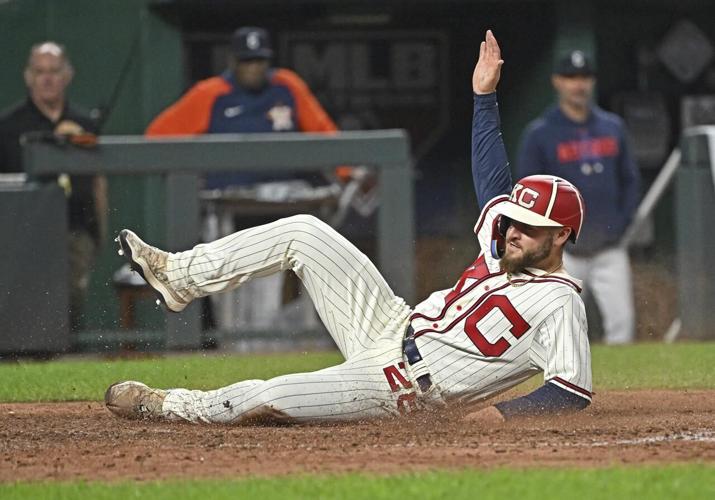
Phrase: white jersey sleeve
{"type": "Point", "coordinates": [485, 228]}
{"type": "Point", "coordinates": [561, 348]}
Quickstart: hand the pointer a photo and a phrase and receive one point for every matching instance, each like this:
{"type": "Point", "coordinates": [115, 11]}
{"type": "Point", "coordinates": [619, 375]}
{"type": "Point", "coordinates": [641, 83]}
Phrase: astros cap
{"type": "Point", "coordinates": [575, 62]}
{"type": "Point", "coordinates": [250, 42]}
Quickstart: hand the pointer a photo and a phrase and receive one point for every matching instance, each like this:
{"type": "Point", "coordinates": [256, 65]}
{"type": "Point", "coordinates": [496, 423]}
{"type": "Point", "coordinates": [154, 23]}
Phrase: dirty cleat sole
{"type": "Point", "coordinates": [140, 265]}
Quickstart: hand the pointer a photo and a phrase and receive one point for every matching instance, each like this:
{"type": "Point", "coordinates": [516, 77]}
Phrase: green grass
{"type": "Point", "coordinates": [675, 366]}
{"type": "Point", "coordinates": [83, 380]}
{"type": "Point", "coordinates": [651, 366]}
{"type": "Point", "coordinates": [679, 366]}
{"type": "Point", "coordinates": [665, 366]}
{"type": "Point", "coordinates": [669, 482]}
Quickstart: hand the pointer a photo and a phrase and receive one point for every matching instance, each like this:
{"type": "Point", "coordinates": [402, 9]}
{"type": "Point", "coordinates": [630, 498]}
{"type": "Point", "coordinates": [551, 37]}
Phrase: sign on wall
{"type": "Point", "coordinates": [376, 79]}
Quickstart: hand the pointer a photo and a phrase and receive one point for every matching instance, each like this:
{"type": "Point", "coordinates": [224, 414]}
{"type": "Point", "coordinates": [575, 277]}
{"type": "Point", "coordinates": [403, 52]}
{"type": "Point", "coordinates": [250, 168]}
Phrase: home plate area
{"type": "Point", "coordinates": [82, 440]}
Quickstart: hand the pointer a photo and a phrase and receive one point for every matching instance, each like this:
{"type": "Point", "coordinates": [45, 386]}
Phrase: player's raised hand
{"type": "Point", "coordinates": [488, 69]}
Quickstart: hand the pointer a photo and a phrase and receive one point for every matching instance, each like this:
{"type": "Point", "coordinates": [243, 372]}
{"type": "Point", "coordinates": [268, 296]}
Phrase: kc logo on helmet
{"type": "Point", "coordinates": [525, 197]}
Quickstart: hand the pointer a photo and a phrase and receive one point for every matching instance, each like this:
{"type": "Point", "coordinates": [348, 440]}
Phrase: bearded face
{"type": "Point", "coordinates": [517, 258]}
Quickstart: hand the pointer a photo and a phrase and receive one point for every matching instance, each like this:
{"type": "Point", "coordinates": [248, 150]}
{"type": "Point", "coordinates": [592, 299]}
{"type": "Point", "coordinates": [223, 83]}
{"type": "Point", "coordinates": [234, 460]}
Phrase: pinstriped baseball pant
{"type": "Point", "coordinates": [362, 314]}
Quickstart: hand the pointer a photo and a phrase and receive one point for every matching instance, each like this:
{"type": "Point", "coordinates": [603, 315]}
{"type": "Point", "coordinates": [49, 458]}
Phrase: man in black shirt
{"type": "Point", "coordinates": [47, 75]}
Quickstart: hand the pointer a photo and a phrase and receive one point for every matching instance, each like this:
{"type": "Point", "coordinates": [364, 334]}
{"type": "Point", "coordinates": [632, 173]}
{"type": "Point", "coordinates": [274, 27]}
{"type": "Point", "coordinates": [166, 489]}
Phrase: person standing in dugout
{"type": "Point", "coordinates": [513, 313]}
{"type": "Point", "coordinates": [46, 109]}
{"type": "Point", "coordinates": [589, 147]}
{"type": "Point", "coordinates": [250, 96]}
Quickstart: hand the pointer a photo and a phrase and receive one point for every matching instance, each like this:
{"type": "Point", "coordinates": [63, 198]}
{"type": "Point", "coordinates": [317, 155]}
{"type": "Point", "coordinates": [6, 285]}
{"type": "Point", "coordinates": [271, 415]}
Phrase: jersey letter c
{"type": "Point", "coordinates": [519, 325]}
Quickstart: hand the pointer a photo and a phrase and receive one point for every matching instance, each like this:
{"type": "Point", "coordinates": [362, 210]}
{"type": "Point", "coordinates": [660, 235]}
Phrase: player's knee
{"type": "Point", "coordinates": [310, 224]}
{"type": "Point", "coordinates": [304, 219]}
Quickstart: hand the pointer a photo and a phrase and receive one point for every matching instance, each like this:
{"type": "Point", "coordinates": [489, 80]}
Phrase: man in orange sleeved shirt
{"type": "Point", "coordinates": [248, 97]}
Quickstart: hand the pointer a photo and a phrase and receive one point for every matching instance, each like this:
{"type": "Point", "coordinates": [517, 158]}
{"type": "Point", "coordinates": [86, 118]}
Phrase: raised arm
{"type": "Point", "coordinates": [490, 166]}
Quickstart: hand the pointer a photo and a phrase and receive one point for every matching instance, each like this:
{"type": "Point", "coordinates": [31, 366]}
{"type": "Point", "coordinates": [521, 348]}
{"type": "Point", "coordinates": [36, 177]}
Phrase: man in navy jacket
{"type": "Point", "coordinates": [588, 146]}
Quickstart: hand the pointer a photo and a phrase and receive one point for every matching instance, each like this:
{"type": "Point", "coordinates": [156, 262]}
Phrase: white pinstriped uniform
{"type": "Point", "coordinates": [364, 317]}
{"type": "Point", "coordinates": [540, 326]}
{"type": "Point", "coordinates": [367, 322]}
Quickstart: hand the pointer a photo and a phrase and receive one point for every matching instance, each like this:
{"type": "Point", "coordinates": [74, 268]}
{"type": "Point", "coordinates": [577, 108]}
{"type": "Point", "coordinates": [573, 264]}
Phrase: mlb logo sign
{"type": "Point", "coordinates": [376, 79]}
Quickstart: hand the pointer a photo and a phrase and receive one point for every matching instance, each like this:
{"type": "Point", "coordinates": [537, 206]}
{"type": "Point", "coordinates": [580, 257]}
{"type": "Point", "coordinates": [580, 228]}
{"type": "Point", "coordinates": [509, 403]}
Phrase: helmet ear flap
{"type": "Point", "coordinates": [500, 225]}
{"type": "Point", "coordinates": [503, 225]}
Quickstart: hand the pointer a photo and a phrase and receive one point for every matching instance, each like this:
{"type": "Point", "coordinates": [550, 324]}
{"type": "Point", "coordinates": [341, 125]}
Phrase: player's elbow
{"type": "Point", "coordinates": [547, 400]}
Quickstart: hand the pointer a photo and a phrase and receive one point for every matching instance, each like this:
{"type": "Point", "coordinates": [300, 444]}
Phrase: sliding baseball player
{"type": "Point", "coordinates": [514, 313]}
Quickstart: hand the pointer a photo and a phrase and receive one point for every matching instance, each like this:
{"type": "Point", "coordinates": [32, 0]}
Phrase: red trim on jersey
{"type": "Point", "coordinates": [459, 318]}
{"type": "Point", "coordinates": [477, 303]}
{"type": "Point", "coordinates": [490, 205]}
{"type": "Point", "coordinates": [477, 271]}
{"type": "Point", "coordinates": [447, 304]}
{"type": "Point", "coordinates": [571, 386]}
{"type": "Point", "coordinates": [550, 278]}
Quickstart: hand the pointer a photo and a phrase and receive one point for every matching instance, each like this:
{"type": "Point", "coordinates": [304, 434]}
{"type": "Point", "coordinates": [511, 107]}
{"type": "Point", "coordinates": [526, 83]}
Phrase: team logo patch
{"type": "Point", "coordinates": [233, 111]}
{"type": "Point", "coordinates": [281, 116]}
{"type": "Point", "coordinates": [578, 59]}
{"type": "Point", "coordinates": [253, 40]}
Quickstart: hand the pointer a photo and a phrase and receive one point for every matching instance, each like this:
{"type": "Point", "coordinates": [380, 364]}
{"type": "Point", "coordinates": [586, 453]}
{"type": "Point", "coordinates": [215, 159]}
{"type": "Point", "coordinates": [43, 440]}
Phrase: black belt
{"type": "Point", "coordinates": [413, 357]}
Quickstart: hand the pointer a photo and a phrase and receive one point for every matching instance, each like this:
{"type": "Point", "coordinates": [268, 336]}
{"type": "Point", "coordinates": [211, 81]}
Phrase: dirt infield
{"type": "Point", "coordinates": [82, 440]}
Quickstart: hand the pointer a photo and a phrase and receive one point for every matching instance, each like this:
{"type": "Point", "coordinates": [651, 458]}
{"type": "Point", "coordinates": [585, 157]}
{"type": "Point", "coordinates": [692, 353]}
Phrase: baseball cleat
{"type": "Point", "coordinates": [150, 263]}
{"type": "Point", "coordinates": [134, 400]}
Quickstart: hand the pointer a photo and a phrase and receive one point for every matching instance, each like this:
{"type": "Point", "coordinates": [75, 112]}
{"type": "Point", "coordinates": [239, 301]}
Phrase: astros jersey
{"type": "Point", "coordinates": [488, 334]}
{"type": "Point", "coordinates": [595, 156]}
{"type": "Point", "coordinates": [219, 105]}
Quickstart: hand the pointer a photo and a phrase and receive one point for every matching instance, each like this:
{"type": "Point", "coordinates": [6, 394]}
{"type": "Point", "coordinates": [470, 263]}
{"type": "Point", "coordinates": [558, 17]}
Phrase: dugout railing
{"type": "Point", "coordinates": [691, 167]}
{"type": "Point", "coordinates": [183, 160]}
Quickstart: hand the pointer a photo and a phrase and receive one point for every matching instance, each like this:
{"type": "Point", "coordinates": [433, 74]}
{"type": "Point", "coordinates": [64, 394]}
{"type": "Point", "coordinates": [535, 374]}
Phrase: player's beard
{"type": "Point", "coordinates": [528, 258]}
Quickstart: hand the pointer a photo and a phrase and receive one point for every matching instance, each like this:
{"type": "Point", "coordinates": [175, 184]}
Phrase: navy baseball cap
{"type": "Point", "coordinates": [250, 42]}
{"type": "Point", "coordinates": [575, 62]}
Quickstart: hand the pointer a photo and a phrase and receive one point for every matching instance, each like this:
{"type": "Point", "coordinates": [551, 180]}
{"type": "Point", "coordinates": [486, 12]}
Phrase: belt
{"type": "Point", "coordinates": [417, 365]}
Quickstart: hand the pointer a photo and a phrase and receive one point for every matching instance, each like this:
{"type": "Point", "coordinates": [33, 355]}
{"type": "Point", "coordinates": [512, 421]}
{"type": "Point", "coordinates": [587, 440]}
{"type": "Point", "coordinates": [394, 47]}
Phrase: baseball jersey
{"type": "Point", "coordinates": [219, 105]}
{"type": "Point", "coordinates": [487, 334]}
